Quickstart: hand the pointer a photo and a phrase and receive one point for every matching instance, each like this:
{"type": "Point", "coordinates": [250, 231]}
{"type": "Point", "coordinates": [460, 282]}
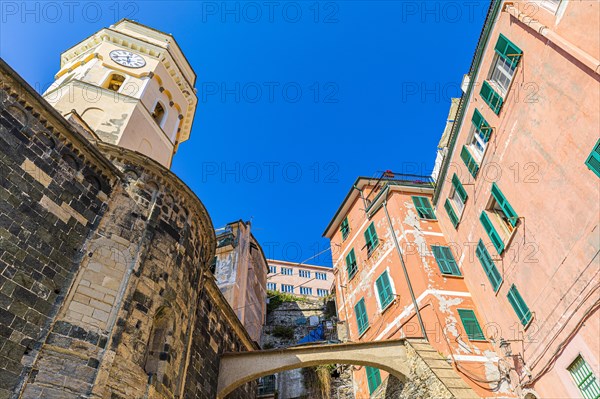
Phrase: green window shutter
{"type": "Point", "coordinates": [373, 378]}
{"type": "Point", "coordinates": [460, 190]}
{"type": "Point", "coordinates": [468, 159]}
{"type": "Point", "coordinates": [593, 161]}
{"type": "Point", "coordinates": [584, 378]}
{"type": "Point", "coordinates": [519, 305]}
{"type": "Point", "coordinates": [371, 238]}
{"type": "Point", "coordinates": [345, 228]}
{"type": "Point", "coordinates": [471, 325]}
{"type": "Point", "coordinates": [445, 260]}
{"type": "Point", "coordinates": [361, 316]}
{"type": "Point", "coordinates": [424, 208]}
{"type": "Point", "coordinates": [508, 50]}
{"type": "Point", "coordinates": [489, 267]}
{"type": "Point", "coordinates": [481, 125]}
{"type": "Point", "coordinates": [509, 212]}
{"type": "Point", "coordinates": [451, 213]}
{"type": "Point", "coordinates": [491, 98]}
{"type": "Point", "coordinates": [491, 232]}
{"type": "Point", "coordinates": [384, 290]}
{"type": "Point", "coordinates": [351, 263]}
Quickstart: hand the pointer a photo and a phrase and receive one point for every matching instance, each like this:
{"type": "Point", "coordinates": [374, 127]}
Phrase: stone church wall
{"type": "Point", "coordinates": [104, 283]}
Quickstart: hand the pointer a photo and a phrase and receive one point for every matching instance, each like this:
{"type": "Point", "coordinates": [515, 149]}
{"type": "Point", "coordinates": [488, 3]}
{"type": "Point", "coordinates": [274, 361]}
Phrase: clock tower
{"type": "Point", "coordinates": [132, 86]}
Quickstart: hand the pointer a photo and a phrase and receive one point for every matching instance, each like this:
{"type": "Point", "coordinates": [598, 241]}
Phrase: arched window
{"type": "Point", "coordinates": [158, 354]}
{"type": "Point", "coordinates": [159, 113]}
{"type": "Point", "coordinates": [114, 82]}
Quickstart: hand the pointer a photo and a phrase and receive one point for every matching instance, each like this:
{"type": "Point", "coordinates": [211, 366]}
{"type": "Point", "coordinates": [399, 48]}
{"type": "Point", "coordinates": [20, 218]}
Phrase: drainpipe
{"type": "Point", "coordinates": [581, 56]}
{"type": "Point", "coordinates": [399, 250]}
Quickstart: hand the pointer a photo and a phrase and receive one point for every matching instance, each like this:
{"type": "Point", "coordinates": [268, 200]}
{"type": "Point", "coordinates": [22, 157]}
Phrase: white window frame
{"type": "Point", "coordinates": [551, 6]}
{"type": "Point", "coordinates": [474, 139]}
{"type": "Point", "coordinates": [284, 288]}
{"type": "Point", "coordinates": [272, 269]}
{"type": "Point", "coordinates": [271, 286]}
{"type": "Point", "coordinates": [286, 271]}
{"type": "Point", "coordinates": [456, 202]}
{"type": "Point", "coordinates": [498, 65]}
{"type": "Point", "coordinates": [305, 291]}
{"type": "Point", "coordinates": [322, 292]}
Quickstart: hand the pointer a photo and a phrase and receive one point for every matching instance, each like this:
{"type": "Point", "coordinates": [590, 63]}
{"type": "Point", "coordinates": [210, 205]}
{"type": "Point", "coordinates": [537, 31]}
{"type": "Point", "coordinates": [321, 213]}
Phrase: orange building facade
{"type": "Point", "coordinates": [390, 258]}
{"type": "Point", "coordinates": [518, 192]}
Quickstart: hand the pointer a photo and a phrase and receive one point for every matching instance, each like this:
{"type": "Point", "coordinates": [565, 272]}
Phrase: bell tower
{"type": "Point", "coordinates": [132, 85]}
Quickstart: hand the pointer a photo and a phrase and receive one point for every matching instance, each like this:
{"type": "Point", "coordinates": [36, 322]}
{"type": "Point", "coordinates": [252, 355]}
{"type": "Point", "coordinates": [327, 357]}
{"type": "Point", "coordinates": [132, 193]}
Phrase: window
{"type": "Point", "coordinates": [468, 159]}
{"type": "Point", "coordinates": [351, 266]}
{"type": "Point", "coordinates": [345, 229]}
{"type": "Point", "coordinates": [424, 208]}
{"type": "Point", "coordinates": [451, 214]}
{"type": "Point", "coordinates": [471, 325]}
{"type": "Point", "coordinates": [584, 378]}
{"type": "Point", "coordinates": [593, 161]}
{"type": "Point", "coordinates": [489, 267]}
{"type": "Point", "coordinates": [287, 271]}
{"type": "Point", "coordinates": [445, 260]}
{"type": "Point", "coordinates": [384, 290]}
{"type": "Point", "coordinates": [550, 5]}
{"type": "Point", "coordinates": [373, 378]}
{"type": "Point", "coordinates": [502, 213]}
{"type": "Point", "coordinates": [361, 316]}
{"type": "Point", "coordinates": [322, 292]}
{"type": "Point", "coordinates": [271, 286]}
{"type": "Point", "coordinates": [321, 276]}
{"type": "Point", "coordinates": [304, 273]}
{"type": "Point", "coordinates": [272, 269]}
{"type": "Point", "coordinates": [158, 114]}
{"type": "Point", "coordinates": [287, 288]}
{"type": "Point", "coordinates": [305, 291]}
{"type": "Point", "coordinates": [519, 305]}
{"type": "Point", "coordinates": [494, 90]}
{"type": "Point", "coordinates": [458, 195]}
{"type": "Point", "coordinates": [458, 198]}
{"type": "Point", "coordinates": [114, 82]}
{"type": "Point", "coordinates": [371, 239]}
{"type": "Point", "coordinates": [479, 135]}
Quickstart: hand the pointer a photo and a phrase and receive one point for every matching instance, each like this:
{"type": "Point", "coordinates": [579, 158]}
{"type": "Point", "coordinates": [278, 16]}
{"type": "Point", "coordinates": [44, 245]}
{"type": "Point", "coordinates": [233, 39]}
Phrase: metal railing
{"type": "Point", "coordinates": [401, 179]}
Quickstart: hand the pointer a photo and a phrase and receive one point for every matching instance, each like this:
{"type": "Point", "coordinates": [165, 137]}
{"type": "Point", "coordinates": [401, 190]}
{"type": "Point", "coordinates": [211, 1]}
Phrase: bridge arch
{"type": "Point", "coordinates": [239, 368]}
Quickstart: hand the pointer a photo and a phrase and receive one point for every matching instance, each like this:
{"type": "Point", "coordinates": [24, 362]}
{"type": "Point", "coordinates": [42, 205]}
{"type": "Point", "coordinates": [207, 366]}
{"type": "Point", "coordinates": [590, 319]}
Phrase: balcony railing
{"type": "Point", "coordinates": [400, 179]}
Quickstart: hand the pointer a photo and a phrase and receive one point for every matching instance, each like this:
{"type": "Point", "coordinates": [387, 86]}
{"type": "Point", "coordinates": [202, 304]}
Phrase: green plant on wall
{"type": "Point", "coordinates": [276, 298]}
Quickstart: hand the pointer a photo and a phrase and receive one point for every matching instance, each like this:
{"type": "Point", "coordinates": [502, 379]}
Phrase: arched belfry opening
{"type": "Point", "coordinates": [158, 114]}
{"type": "Point", "coordinates": [114, 82]}
{"type": "Point", "coordinates": [159, 344]}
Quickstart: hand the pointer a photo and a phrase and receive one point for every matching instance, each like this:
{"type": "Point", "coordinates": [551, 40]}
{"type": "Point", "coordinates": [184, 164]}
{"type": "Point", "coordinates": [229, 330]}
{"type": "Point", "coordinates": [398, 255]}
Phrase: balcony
{"type": "Point", "coordinates": [397, 179]}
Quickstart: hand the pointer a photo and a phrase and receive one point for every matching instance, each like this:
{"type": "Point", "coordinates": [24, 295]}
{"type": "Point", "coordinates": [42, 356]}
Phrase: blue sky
{"type": "Point", "coordinates": [296, 99]}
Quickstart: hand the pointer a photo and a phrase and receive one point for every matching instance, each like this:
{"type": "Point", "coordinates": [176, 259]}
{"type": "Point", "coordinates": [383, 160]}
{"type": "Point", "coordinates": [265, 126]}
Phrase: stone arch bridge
{"type": "Point", "coordinates": [397, 357]}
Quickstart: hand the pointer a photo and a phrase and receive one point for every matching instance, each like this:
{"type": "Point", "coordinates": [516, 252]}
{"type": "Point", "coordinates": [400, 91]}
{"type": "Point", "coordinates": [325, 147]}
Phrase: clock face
{"type": "Point", "coordinates": [127, 58]}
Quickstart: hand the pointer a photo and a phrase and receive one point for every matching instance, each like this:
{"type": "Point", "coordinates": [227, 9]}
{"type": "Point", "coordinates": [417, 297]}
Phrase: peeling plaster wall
{"type": "Point", "coordinates": [439, 296]}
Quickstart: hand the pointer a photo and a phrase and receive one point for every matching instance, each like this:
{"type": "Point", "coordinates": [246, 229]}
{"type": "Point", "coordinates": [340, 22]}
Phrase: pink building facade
{"type": "Point", "coordinates": [517, 193]}
{"type": "Point", "coordinates": [299, 279]}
